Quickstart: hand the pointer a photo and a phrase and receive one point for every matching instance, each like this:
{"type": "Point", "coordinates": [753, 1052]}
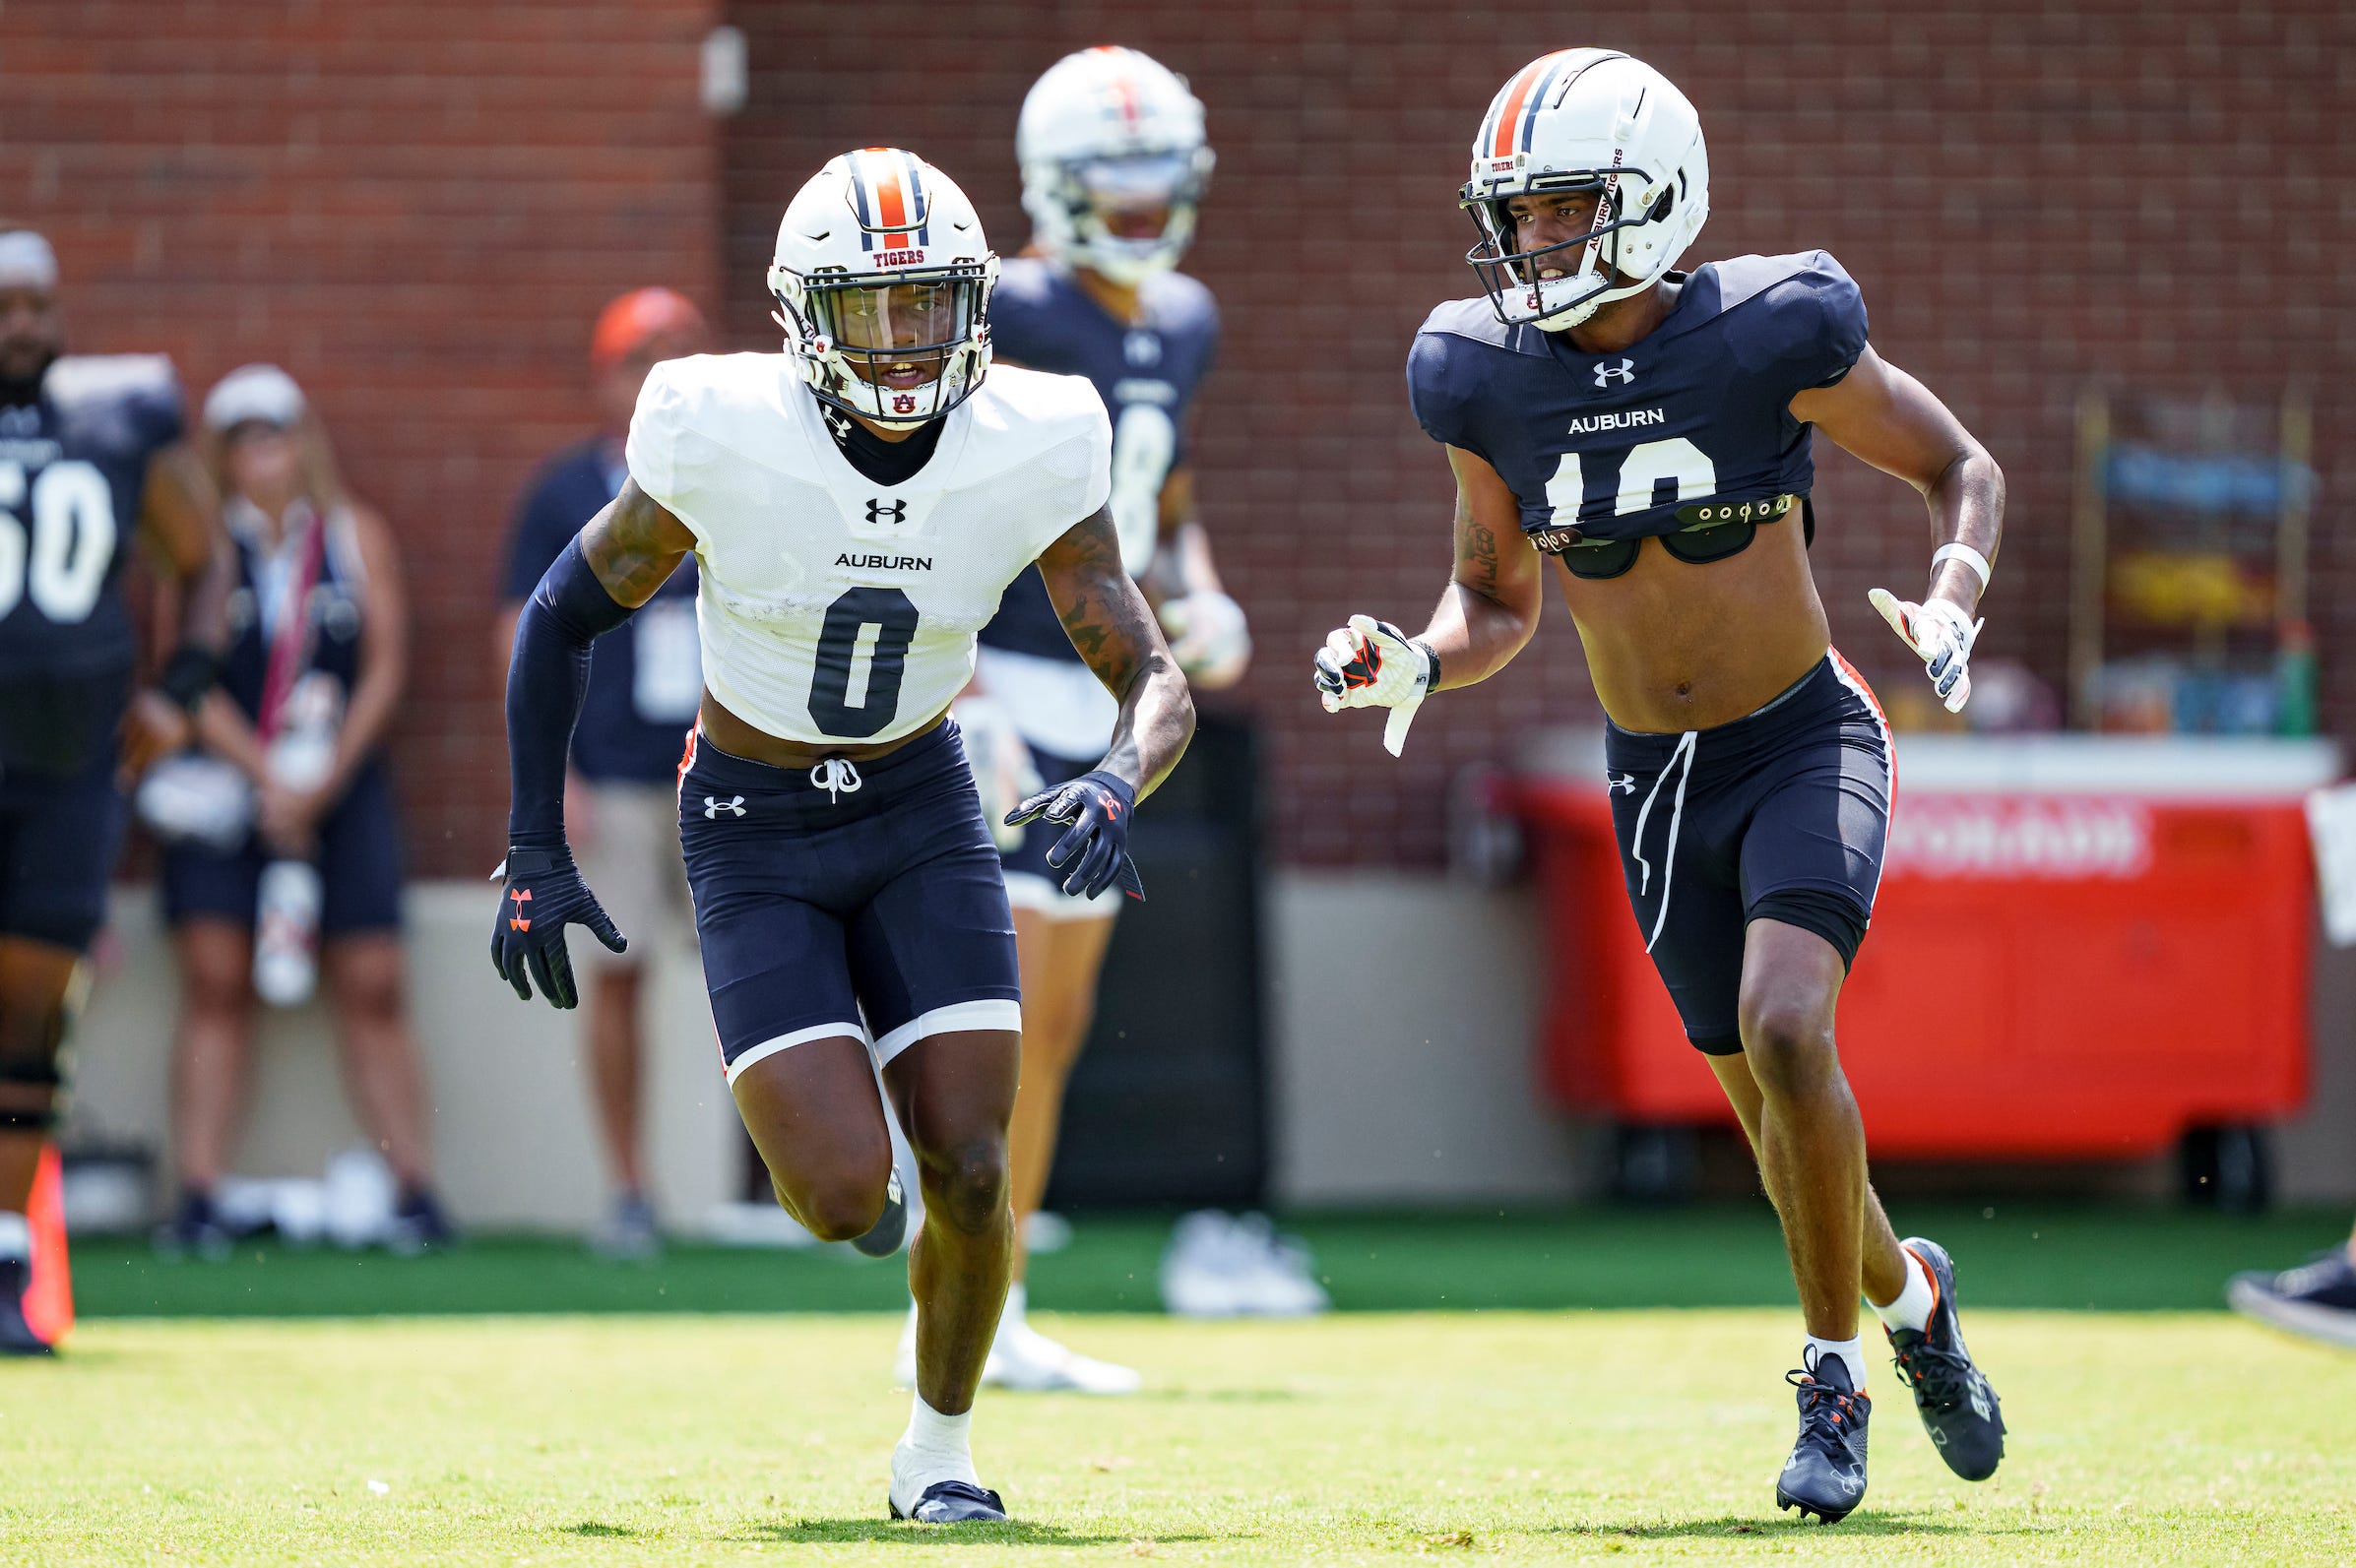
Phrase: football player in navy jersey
{"type": "Point", "coordinates": [1113, 160]}
{"type": "Point", "coordinates": [91, 456]}
{"type": "Point", "coordinates": [641, 698]}
{"type": "Point", "coordinates": [1649, 429]}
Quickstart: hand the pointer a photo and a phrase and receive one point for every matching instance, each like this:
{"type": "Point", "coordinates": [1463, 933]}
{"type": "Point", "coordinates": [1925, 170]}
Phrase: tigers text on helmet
{"type": "Point", "coordinates": [1108, 138]}
{"type": "Point", "coordinates": [882, 281]}
{"type": "Point", "coordinates": [1586, 121]}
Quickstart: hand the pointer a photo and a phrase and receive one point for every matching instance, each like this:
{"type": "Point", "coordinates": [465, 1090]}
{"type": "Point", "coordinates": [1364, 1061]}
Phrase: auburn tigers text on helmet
{"type": "Point", "coordinates": [882, 280]}
{"type": "Point", "coordinates": [1585, 121]}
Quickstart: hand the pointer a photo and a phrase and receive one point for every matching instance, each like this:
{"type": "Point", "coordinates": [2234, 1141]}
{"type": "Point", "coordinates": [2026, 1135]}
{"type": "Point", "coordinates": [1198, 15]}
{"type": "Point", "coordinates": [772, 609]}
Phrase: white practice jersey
{"type": "Point", "coordinates": [833, 609]}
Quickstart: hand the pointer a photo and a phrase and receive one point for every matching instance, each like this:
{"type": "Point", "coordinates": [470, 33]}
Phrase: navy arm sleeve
{"type": "Point", "coordinates": [545, 681]}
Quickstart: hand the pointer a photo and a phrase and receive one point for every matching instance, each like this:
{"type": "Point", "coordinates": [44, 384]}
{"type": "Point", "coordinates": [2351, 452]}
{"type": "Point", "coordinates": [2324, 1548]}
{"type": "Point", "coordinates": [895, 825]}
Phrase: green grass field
{"type": "Point", "coordinates": [1631, 1433]}
{"type": "Point", "coordinates": [1535, 1437]}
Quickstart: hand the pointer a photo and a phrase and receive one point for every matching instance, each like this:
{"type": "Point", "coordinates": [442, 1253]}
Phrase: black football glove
{"type": "Point", "coordinates": [1097, 806]}
{"type": "Point", "coordinates": [543, 895]}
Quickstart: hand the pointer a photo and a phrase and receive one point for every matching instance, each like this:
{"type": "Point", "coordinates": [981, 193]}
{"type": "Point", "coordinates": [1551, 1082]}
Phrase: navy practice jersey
{"type": "Point", "coordinates": [73, 469]}
{"type": "Point", "coordinates": [1677, 432]}
{"type": "Point", "coordinates": [646, 679]}
{"type": "Point", "coordinates": [1147, 375]}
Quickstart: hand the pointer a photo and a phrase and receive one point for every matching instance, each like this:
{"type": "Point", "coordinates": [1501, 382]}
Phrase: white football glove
{"type": "Point", "coordinates": [1208, 635]}
{"type": "Point", "coordinates": [1003, 770]}
{"type": "Point", "coordinates": [1941, 635]}
{"type": "Point", "coordinates": [1372, 663]}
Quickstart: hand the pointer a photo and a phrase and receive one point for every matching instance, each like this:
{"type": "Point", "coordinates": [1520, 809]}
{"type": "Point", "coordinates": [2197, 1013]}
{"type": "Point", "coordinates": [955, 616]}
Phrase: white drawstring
{"type": "Point", "coordinates": [837, 777]}
{"type": "Point", "coordinates": [1687, 749]}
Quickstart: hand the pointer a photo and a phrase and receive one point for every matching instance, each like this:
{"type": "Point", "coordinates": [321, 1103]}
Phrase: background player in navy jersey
{"type": "Point", "coordinates": [91, 456]}
{"type": "Point", "coordinates": [642, 693]}
{"type": "Point", "coordinates": [1113, 161]}
{"type": "Point", "coordinates": [1651, 430]}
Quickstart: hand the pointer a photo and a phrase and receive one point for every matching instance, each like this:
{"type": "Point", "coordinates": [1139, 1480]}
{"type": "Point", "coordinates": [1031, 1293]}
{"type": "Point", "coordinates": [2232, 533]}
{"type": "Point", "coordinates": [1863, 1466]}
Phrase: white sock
{"type": "Point", "coordinates": [1851, 1353]}
{"type": "Point", "coordinates": [1912, 1308]}
{"type": "Point", "coordinates": [16, 1239]}
{"type": "Point", "coordinates": [934, 1449]}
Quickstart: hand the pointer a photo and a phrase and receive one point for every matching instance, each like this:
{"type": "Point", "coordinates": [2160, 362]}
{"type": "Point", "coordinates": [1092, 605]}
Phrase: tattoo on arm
{"type": "Point", "coordinates": [1476, 550]}
{"type": "Point", "coordinates": [1101, 611]}
{"type": "Point", "coordinates": [634, 546]}
{"type": "Point", "coordinates": [1114, 630]}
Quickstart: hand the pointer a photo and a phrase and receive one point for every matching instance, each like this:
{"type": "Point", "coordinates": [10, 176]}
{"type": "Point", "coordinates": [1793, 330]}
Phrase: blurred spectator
{"type": "Point", "coordinates": [317, 658]}
{"type": "Point", "coordinates": [644, 685]}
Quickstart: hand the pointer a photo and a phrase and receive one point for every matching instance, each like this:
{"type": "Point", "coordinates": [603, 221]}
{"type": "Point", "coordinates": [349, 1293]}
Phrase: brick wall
{"type": "Point", "coordinates": [419, 207]}
{"type": "Point", "coordinates": [2031, 195]}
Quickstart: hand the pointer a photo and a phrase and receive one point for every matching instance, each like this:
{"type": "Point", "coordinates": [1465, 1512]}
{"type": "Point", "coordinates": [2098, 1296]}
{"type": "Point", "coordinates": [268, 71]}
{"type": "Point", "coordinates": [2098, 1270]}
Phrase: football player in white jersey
{"type": "Point", "coordinates": [856, 506]}
{"type": "Point", "coordinates": [1113, 161]}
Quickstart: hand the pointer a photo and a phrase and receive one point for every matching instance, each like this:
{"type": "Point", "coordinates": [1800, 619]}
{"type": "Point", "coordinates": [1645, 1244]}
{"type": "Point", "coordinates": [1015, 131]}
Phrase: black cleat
{"type": "Point", "coordinates": [196, 1231]}
{"type": "Point", "coordinates": [884, 1236]}
{"type": "Point", "coordinates": [2317, 1299]}
{"type": "Point", "coordinates": [420, 1226]}
{"type": "Point", "coordinates": [1960, 1408]}
{"type": "Point", "coordinates": [954, 1502]}
{"type": "Point", "coordinates": [16, 1334]}
{"type": "Point", "coordinates": [1825, 1474]}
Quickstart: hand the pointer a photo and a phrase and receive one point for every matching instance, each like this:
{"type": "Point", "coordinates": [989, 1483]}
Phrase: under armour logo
{"type": "Point", "coordinates": [516, 922]}
{"type": "Point", "coordinates": [1142, 348]}
{"type": "Point", "coordinates": [877, 512]}
{"type": "Point", "coordinates": [1622, 372]}
{"type": "Point", "coordinates": [714, 806]}
{"type": "Point", "coordinates": [1623, 784]}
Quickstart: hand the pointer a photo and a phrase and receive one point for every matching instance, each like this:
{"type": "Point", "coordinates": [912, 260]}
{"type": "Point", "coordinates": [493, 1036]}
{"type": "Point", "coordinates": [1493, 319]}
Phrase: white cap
{"type": "Point", "coordinates": [254, 391]}
{"type": "Point", "coordinates": [27, 260]}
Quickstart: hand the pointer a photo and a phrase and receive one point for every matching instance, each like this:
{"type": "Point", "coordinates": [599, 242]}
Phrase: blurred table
{"type": "Point", "coordinates": [2085, 947]}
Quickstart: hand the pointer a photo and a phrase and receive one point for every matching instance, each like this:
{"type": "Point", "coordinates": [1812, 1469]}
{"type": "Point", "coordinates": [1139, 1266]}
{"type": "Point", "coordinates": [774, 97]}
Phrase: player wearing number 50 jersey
{"type": "Point", "coordinates": [855, 508]}
{"type": "Point", "coordinates": [1113, 161]}
{"type": "Point", "coordinates": [90, 458]}
{"type": "Point", "coordinates": [1649, 429]}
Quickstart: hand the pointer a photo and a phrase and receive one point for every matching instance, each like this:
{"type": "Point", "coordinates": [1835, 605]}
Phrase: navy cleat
{"type": "Point", "coordinates": [1825, 1474]}
{"type": "Point", "coordinates": [16, 1334]}
{"type": "Point", "coordinates": [1960, 1408]}
{"type": "Point", "coordinates": [954, 1502]}
{"type": "Point", "coordinates": [2317, 1299]}
{"type": "Point", "coordinates": [882, 1239]}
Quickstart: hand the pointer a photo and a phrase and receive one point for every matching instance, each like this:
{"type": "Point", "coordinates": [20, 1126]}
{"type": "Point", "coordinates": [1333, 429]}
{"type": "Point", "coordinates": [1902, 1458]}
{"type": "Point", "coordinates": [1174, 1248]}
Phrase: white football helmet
{"type": "Point", "coordinates": [1586, 120]}
{"type": "Point", "coordinates": [1107, 132]}
{"type": "Point", "coordinates": [881, 246]}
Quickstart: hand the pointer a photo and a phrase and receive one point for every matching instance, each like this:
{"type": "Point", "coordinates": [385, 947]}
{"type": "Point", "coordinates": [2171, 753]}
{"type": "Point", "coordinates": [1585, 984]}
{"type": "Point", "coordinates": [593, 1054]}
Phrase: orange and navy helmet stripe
{"type": "Point", "coordinates": [1514, 112]}
{"type": "Point", "coordinates": [887, 191]}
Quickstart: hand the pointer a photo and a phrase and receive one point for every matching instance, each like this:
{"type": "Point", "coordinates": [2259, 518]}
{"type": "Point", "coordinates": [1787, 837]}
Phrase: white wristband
{"type": "Point", "coordinates": [1964, 553]}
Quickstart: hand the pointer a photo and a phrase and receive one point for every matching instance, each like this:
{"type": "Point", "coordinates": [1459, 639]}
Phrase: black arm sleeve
{"type": "Point", "coordinates": [545, 680]}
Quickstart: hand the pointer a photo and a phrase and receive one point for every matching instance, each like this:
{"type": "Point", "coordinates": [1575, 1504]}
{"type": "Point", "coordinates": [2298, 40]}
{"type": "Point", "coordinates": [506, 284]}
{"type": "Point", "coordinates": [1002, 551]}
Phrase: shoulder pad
{"type": "Point", "coordinates": [1475, 320]}
{"type": "Point", "coordinates": [140, 392]}
{"type": "Point", "coordinates": [1801, 310]}
{"type": "Point", "coordinates": [1181, 302]}
{"type": "Point", "coordinates": [1024, 282]}
{"type": "Point", "coordinates": [1023, 417]}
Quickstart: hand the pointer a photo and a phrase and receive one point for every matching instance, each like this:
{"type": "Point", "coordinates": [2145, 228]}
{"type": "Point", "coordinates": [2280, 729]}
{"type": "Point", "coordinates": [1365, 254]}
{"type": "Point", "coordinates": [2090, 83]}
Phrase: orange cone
{"type": "Point", "coordinates": [49, 1302]}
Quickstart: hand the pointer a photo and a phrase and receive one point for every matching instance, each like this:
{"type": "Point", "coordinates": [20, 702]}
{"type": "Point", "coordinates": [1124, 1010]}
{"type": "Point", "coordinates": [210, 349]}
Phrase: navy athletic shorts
{"type": "Point", "coordinates": [872, 908]}
{"type": "Point", "coordinates": [1032, 883]}
{"type": "Point", "coordinates": [1780, 815]}
{"type": "Point", "coordinates": [59, 835]}
{"type": "Point", "coordinates": [358, 859]}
